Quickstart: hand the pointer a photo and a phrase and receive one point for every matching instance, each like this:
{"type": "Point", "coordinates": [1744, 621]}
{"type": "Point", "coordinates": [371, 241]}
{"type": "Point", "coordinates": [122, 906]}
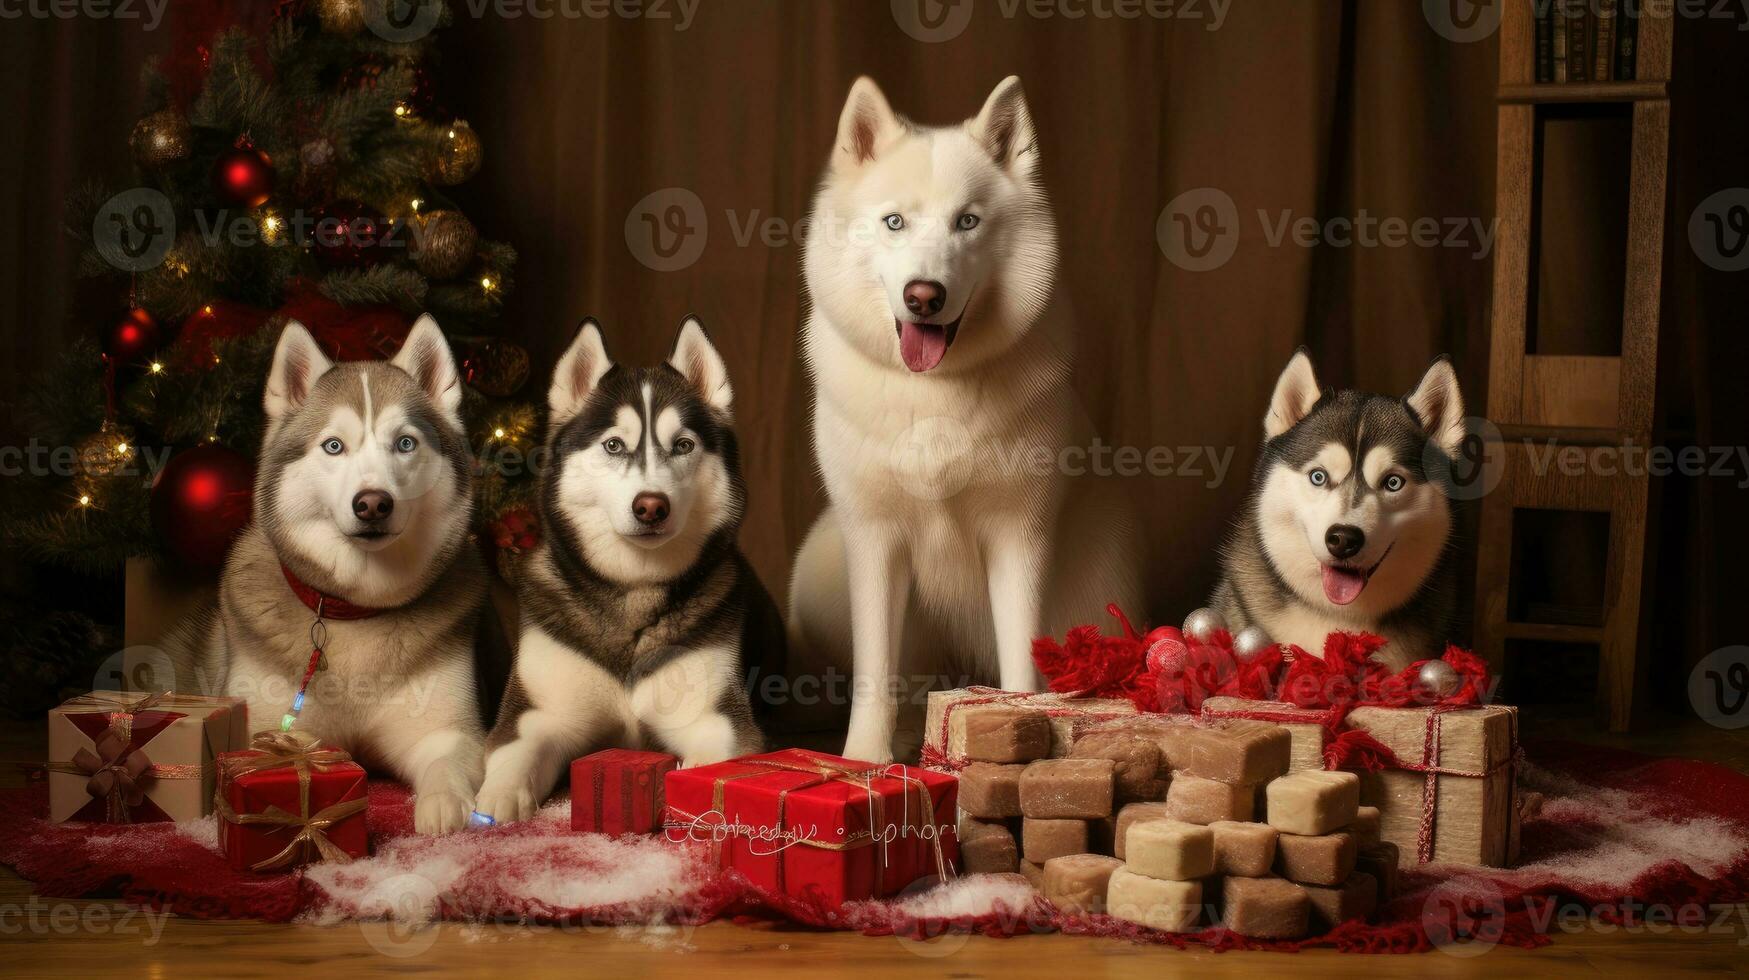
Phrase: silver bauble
{"type": "Point", "coordinates": [1439, 678]}
{"type": "Point", "coordinates": [1202, 624]}
{"type": "Point", "coordinates": [1250, 642]}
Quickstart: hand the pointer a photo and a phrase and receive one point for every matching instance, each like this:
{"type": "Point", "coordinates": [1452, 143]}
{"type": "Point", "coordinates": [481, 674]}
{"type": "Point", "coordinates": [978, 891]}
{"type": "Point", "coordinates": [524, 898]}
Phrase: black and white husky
{"type": "Point", "coordinates": [1348, 526]}
{"type": "Point", "coordinates": [363, 499]}
{"type": "Point", "coordinates": [639, 613]}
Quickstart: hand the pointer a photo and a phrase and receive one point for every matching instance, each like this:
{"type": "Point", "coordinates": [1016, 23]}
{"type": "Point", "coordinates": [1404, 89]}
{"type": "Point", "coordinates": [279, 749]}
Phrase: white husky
{"type": "Point", "coordinates": [941, 353]}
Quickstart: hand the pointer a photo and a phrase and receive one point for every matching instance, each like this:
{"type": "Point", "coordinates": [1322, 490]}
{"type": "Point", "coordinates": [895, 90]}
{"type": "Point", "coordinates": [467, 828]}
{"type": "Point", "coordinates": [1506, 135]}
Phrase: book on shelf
{"type": "Point", "coordinates": [1627, 29]}
{"type": "Point", "coordinates": [1578, 52]}
{"type": "Point", "coordinates": [1558, 39]}
{"type": "Point", "coordinates": [1545, 39]}
{"type": "Point", "coordinates": [1603, 40]}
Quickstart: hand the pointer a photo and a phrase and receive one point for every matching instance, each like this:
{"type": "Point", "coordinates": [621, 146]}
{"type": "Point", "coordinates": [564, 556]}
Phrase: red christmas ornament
{"type": "Point", "coordinates": [133, 338]}
{"type": "Point", "coordinates": [347, 236]}
{"type": "Point", "coordinates": [200, 500]}
{"type": "Point", "coordinates": [244, 176]}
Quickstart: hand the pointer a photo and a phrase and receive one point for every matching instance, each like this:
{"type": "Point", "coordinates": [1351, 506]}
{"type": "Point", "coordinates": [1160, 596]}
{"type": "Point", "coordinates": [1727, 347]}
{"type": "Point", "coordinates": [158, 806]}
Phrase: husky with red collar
{"type": "Point", "coordinates": [359, 545]}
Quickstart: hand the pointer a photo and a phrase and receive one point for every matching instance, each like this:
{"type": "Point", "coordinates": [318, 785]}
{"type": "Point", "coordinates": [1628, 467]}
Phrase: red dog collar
{"type": "Point", "coordinates": [323, 605]}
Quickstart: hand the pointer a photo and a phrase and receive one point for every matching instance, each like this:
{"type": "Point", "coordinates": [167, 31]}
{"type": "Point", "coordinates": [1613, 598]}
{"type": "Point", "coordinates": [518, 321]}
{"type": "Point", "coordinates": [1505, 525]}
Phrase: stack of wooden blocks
{"type": "Point", "coordinates": [1171, 823]}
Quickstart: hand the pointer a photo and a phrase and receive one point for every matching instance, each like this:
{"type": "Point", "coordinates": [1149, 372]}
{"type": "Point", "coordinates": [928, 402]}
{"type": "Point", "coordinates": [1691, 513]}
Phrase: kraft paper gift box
{"type": "Point", "coordinates": [618, 791]}
{"type": "Point", "coordinates": [944, 719]}
{"type": "Point", "coordinates": [818, 827]}
{"type": "Point", "coordinates": [287, 800]}
{"type": "Point", "coordinates": [117, 757]}
{"type": "Point", "coordinates": [1305, 726]}
{"type": "Point", "coordinates": [1460, 765]}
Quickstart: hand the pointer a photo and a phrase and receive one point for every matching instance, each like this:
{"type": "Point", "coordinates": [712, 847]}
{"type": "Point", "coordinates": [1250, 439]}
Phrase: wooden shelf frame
{"type": "Point", "coordinates": [1592, 402]}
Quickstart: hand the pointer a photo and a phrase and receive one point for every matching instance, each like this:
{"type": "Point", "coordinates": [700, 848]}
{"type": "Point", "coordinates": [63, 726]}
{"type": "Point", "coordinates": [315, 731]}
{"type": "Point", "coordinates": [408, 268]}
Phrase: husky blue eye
{"type": "Point", "coordinates": [333, 447]}
{"type": "Point", "coordinates": [967, 222]}
{"type": "Point", "coordinates": [406, 444]}
{"type": "Point", "coordinates": [683, 446]}
{"type": "Point", "coordinates": [894, 222]}
{"type": "Point", "coordinates": [1319, 478]}
{"type": "Point", "coordinates": [614, 446]}
{"type": "Point", "coordinates": [1393, 483]}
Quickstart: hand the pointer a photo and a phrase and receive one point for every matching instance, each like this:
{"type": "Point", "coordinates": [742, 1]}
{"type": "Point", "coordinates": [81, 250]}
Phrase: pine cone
{"type": "Point", "coordinates": [47, 657]}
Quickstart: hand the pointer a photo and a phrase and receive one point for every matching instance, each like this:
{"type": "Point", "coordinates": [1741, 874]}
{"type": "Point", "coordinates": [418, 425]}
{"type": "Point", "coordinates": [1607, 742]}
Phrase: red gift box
{"type": "Point", "coordinates": [818, 827]}
{"type": "Point", "coordinates": [289, 801]}
{"type": "Point", "coordinates": [618, 791]}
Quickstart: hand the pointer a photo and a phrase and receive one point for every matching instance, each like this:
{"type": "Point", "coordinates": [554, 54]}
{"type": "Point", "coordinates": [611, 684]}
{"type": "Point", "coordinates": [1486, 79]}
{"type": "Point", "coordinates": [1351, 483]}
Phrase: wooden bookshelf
{"type": "Point", "coordinates": [1585, 401]}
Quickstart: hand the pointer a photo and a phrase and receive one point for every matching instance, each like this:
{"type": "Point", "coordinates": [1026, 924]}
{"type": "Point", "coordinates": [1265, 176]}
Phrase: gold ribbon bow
{"type": "Point", "coordinates": [299, 751]}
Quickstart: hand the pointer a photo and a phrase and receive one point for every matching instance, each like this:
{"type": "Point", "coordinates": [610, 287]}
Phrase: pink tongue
{"type": "Point", "coordinates": [1342, 585]}
{"type": "Point", "coordinates": [921, 346]}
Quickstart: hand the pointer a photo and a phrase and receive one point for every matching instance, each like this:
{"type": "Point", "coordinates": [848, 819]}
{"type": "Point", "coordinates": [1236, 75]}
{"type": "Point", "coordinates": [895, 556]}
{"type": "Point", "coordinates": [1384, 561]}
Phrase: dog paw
{"type": "Point", "coordinates": [440, 813]}
{"type": "Point", "coordinates": [879, 751]}
{"type": "Point", "coordinates": [505, 804]}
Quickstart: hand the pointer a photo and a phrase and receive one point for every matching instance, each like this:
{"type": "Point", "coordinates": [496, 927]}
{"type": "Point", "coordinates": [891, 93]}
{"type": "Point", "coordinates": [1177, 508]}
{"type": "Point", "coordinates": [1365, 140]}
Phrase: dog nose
{"type": "Point", "coordinates": [924, 297]}
{"type": "Point", "coordinates": [650, 508]}
{"type": "Point", "coordinates": [372, 505]}
{"type": "Point", "coordinates": [1344, 540]}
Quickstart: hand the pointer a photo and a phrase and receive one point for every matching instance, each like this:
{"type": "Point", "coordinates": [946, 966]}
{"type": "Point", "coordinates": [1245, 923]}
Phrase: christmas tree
{"type": "Point", "coordinates": [301, 175]}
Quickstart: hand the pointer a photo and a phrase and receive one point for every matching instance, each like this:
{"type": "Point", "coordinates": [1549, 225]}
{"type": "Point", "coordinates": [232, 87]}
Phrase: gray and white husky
{"type": "Point", "coordinates": [940, 346]}
{"type": "Point", "coordinates": [1348, 525]}
{"type": "Point", "coordinates": [640, 617]}
{"type": "Point", "coordinates": [363, 496]}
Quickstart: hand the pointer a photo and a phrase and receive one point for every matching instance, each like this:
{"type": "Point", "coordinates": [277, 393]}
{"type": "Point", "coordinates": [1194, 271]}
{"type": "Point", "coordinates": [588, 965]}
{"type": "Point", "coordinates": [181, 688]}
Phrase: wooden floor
{"type": "Point", "coordinates": [40, 937]}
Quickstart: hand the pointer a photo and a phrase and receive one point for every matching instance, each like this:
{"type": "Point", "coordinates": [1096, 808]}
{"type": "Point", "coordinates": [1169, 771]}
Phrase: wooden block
{"type": "Point", "coordinates": [1235, 752]}
{"type": "Point", "coordinates": [1265, 908]}
{"type": "Point", "coordinates": [1078, 883]}
{"type": "Point", "coordinates": [1193, 799]}
{"type": "Point", "coordinates": [1170, 849]}
{"type": "Point", "coordinates": [1136, 772]}
{"type": "Point", "coordinates": [1044, 839]}
{"type": "Point", "coordinates": [1380, 861]}
{"type": "Point", "coordinates": [987, 848]}
{"type": "Point", "coordinates": [990, 790]}
{"type": "Point", "coordinates": [1000, 734]}
{"type": "Point", "coordinates": [1365, 827]}
{"type": "Point", "coordinates": [1356, 898]}
{"type": "Point", "coordinates": [1033, 873]}
{"type": "Point", "coordinates": [1172, 906]}
{"type": "Point", "coordinates": [1305, 727]}
{"type": "Point", "coordinates": [1129, 815]}
{"type": "Point", "coordinates": [1313, 802]}
{"type": "Point", "coordinates": [1327, 859]}
{"type": "Point", "coordinates": [1244, 849]}
{"type": "Point", "coordinates": [945, 717]}
{"type": "Point", "coordinates": [1067, 788]}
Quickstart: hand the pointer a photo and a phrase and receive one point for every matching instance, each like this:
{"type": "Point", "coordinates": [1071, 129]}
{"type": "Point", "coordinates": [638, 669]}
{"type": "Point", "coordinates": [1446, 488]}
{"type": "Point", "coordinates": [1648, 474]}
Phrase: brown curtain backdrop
{"type": "Point", "coordinates": [1312, 110]}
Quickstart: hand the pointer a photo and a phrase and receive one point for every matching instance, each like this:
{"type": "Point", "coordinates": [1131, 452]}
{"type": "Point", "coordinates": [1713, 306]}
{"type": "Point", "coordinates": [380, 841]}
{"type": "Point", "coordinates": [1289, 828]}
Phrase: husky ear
{"type": "Point", "coordinates": [578, 373]}
{"type": "Point", "coordinates": [1296, 391]}
{"type": "Point", "coordinates": [865, 125]}
{"type": "Point", "coordinates": [298, 363]}
{"type": "Point", "coordinates": [1004, 126]}
{"type": "Point", "coordinates": [696, 358]}
{"type": "Point", "coordinates": [426, 357]}
{"type": "Point", "coordinates": [1439, 406]}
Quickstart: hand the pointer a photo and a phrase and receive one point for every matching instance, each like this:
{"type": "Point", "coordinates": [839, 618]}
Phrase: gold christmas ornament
{"type": "Point", "coordinates": [458, 154]}
{"type": "Point", "coordinates": [160, 139]}
{"type": "Point", "coordinates": [344, 17]}
{"type": "Point", "coordinates": [106, 452]}
{"type": "Point", "coordinates": [443, 243]}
